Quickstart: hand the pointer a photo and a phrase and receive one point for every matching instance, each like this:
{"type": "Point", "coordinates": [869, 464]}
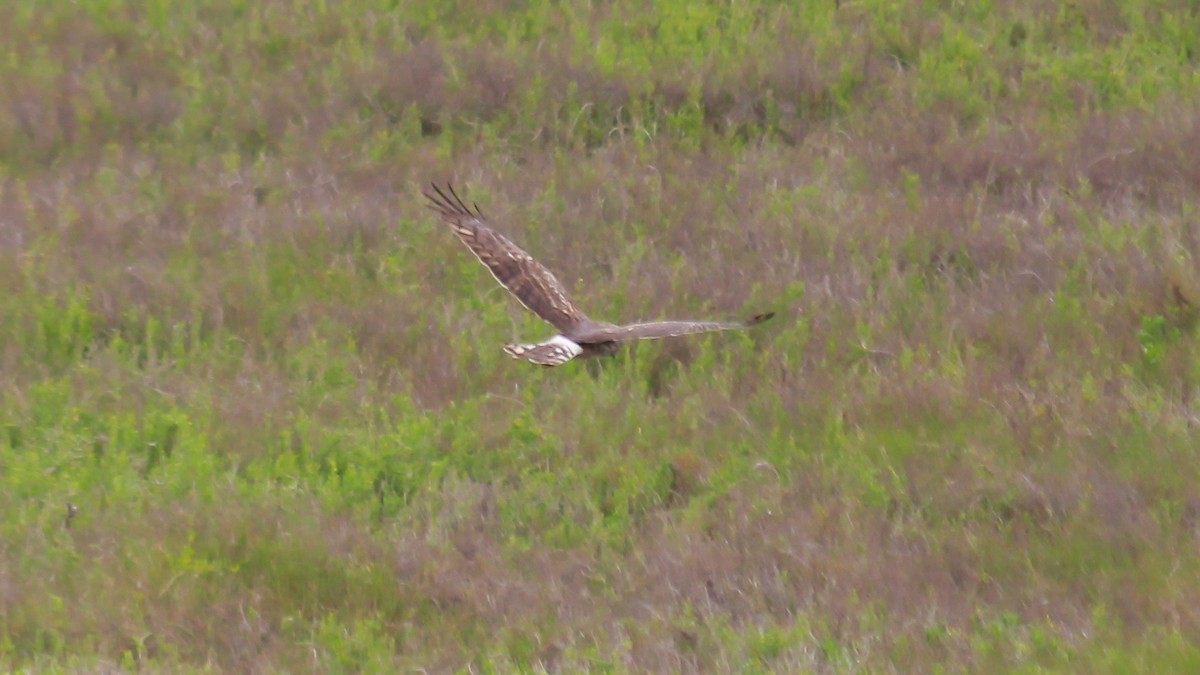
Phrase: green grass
{"type": "Point", "coordinates": [272, 384]}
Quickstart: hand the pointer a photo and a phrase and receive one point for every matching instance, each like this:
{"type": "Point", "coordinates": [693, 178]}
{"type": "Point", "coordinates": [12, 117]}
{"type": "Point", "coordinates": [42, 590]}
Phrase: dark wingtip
{"type": "Point", "coordinates": [759, 318]}
{"type": "Point", "coordinates": [435, 202]}
{"type": "Point", "coordinates": [448, 202]}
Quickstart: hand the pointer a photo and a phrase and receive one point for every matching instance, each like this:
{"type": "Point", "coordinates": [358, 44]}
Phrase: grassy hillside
{"type": "Point", "coordinates": [271, 383]}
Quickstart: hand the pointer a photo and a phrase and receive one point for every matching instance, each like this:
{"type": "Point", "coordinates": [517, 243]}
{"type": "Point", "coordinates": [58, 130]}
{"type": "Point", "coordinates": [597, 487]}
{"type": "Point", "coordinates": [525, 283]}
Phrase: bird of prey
{"type": "Point", "coordinates": [541, 293]}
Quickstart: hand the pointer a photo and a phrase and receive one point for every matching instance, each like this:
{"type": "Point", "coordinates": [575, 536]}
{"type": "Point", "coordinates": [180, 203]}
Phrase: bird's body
{"type": "Point", "coordinates": [541, 293]}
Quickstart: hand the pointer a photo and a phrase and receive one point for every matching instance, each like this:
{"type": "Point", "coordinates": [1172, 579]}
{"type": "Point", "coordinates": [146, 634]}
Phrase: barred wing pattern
{"type": "Point", "coordinates": [553, 352]}
{"type": "Point", "coordinates": [660, 329]}
{"type": "Point", "coordinates": [527, 279]}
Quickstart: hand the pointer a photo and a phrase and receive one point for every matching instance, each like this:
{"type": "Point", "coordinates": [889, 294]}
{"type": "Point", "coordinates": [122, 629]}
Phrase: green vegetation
{"type": "Point", "coordinates": [272, 383]}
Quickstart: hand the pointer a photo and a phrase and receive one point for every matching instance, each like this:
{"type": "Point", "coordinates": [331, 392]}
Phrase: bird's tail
{"type": "Point", "coordinates": [553, 352]}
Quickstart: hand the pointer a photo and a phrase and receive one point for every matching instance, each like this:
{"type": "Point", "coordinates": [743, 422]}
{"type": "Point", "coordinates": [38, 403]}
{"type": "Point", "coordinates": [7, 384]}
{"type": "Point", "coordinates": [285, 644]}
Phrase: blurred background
{"type": "Point", "coordinates": [255, 416]}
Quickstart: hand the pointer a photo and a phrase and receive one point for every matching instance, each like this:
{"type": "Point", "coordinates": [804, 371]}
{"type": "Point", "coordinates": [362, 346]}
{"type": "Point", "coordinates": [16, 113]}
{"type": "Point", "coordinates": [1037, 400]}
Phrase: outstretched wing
{"type": "Point", "coordinates": [661, 329]}
{"type": "Point", "coordinates": [524, 277]}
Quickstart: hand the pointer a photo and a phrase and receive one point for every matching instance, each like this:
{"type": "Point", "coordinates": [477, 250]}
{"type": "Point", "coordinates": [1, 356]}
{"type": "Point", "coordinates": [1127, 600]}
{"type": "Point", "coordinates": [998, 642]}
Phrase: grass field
{"type": "Point", "coordinates": [271, 382]}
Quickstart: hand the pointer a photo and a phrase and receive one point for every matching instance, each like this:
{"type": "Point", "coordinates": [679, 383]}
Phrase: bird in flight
{"type": "Point", "coordinates": [541, 293]}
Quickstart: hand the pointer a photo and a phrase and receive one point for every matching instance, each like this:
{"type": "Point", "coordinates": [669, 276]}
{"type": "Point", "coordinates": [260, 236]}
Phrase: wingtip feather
{"type": "Point", "coordinates": [450, 204]}
{"type": "Point", "coordinates": [760, 318]}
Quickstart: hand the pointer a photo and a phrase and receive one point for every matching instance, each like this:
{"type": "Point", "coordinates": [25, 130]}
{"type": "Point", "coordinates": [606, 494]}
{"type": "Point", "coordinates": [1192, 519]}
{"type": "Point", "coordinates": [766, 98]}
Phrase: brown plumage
{"type": "Point", "coordinates": [541, 293]}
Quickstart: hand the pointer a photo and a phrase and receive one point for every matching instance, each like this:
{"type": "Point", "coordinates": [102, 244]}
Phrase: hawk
{"type": "Point", "coordinates": [541, 293]}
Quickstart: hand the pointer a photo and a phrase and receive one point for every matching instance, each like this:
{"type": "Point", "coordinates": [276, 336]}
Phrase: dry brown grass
{"type": "Point", "coordinates": [233, 336]}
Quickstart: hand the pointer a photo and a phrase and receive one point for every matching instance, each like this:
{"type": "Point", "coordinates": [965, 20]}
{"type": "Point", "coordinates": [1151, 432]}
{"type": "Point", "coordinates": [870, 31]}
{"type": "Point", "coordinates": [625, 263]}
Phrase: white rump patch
{"type": "Point", "coordinates": [553, 352]}
{"type": "Point", "coordinates": [567, 344]}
